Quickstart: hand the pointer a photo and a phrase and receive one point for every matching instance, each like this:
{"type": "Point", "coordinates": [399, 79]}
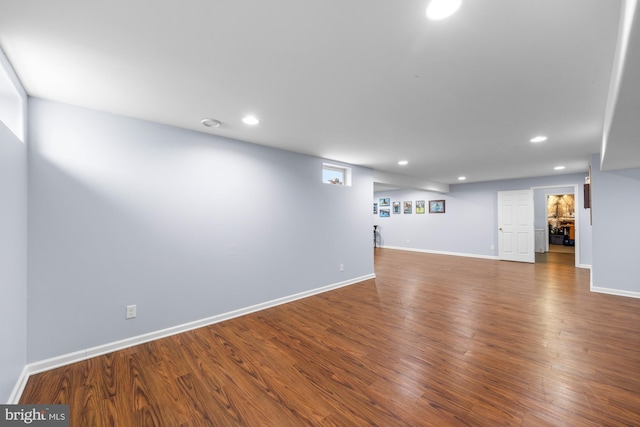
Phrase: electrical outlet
{"type": "Point", "coordinates": [131, 311]}
{"type": "Point", "coordinates": [341, 267]}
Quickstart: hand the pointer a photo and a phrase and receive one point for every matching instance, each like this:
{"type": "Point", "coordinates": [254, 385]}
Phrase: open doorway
{"type": "Point", "coordinates": [557, 226]}
{"type": "Point", "coordinates": [561, 223]}
{"type": "Point", "coordinates": [561, 229]}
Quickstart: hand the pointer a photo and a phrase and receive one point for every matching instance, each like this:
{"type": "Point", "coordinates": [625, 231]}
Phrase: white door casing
{"type": "Point", "coordinates": [515, 226]}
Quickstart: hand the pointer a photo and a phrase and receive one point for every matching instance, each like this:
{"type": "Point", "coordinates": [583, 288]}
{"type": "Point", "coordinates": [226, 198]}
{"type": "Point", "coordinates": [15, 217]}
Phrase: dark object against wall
{"type": "Point", "coordinates": [587, 196]}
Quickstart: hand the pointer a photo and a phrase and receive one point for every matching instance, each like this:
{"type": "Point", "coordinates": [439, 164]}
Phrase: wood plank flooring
{"type": "Point", "coordinates": [434, 340]}
{"type": "Point", "coordinates": [556, 258]}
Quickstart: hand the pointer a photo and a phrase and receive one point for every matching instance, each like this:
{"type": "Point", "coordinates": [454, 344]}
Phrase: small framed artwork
{"type": "Point", "coordinates": [396, 207]}
{"type": "Point", "coordinates": [384, 213]}
{"type": "Point", "coordinates": [419, 206]}
{"type": "Point", "coordinates": [385, 202]}
{"type": "Point", "coordinates": [436, 206]}
{"type": "Point", "coordinates": [408, 207]}
{"type": "Point", "coordinates": [375, 209]}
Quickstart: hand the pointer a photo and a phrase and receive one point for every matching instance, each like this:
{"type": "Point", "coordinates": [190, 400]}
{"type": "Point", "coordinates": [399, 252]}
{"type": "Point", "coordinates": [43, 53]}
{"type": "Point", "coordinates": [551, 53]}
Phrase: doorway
{"type": "Point", "coordinates": [561, 223]}
{"type": "Point", "coordinates": [557, 225]}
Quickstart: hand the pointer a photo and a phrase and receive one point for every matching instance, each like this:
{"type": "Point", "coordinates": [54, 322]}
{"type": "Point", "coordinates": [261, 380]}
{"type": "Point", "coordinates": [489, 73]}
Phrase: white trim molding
{"type": "Point", "coordinates": [427, 251]}
{"type": "Point", "coordinates": [611, 291]}
{"type": "Point", "coordinates": [69, 358]}
{"type": "Point", "coordinates": [618, 292]}
{"type": "Point", "coordinates": [14, 397]}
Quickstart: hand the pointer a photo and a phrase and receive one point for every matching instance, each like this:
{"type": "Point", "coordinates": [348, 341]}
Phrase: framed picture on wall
{"type": "Point", "coordinates": [384, 213]}
{"type": "Point", "coordinates": [419, 206]}
{"type": "Point", "coordinates": [385, 202]}
{"type": "Point", "coordinates": [436, 206]}
{"type": "Point", "coordinates": [396, 207]}
{"type": "Point", "coordinates": [408, 207]}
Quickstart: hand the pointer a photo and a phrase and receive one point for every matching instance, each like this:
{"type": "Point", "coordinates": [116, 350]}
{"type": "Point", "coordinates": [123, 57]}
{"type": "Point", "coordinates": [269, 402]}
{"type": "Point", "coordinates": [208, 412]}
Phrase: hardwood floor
{"type": "Point", "coordinates": [556, 258]}
{"type": "Point", "coordinates": [434, 340]}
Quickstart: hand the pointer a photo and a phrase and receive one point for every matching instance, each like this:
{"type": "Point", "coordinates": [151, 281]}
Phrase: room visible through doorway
{"type": "Point", "coordinates": [560, 231]}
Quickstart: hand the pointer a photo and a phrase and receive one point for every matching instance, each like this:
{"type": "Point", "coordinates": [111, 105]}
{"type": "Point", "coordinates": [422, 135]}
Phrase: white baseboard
{"type": "Point", "coordinates": [618, 292]}
{"type": "Point", "coordinates": [398, 248]}
{"type": "Point", "coordinates": [67, 359]}
{"type": "Point", "coordinates": [14, 398]}
{"type": "Point", "coordinates": [587, 266]}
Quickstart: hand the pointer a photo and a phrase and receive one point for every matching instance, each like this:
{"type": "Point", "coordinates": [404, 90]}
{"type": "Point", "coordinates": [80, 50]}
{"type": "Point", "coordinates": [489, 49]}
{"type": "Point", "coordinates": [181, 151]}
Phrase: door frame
{"type": "Point", "coordinates": [577, 201]}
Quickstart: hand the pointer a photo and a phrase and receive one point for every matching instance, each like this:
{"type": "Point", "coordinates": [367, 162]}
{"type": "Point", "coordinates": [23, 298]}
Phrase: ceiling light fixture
{"type": "Point", "coordinates": [539, 138]}
{"type": "Point", "coordinates": [559, 168]}
{"type": "Point", "coordinates": [462, 178]}
{"type": "Point", "coordinates": [211, 123]}
{"type": "Point", "coordinates": [250, 120]}
{"type": "Point", "coordinates": [403, 162]}
{"type": "Point", "coordinates": [441, 9]}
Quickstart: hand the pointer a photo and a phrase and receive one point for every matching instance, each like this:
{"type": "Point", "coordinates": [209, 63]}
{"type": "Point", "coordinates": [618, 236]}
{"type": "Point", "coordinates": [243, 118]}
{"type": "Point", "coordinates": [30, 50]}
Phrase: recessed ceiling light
{"type": "Point", "coordinates": [462, 178]}
{"type": "Point", "coordinates": [250, 120]}
{"type": "Point", "coordinates": [559, 168]}
{"type": "Point", "coordinates": [441, 9]}
{"type": "Point", "coordinates": [539, 138]}
{"type": "Point", "coordinates": [403, 162]}
{"type": "Point", "coordinates": [211, 123]}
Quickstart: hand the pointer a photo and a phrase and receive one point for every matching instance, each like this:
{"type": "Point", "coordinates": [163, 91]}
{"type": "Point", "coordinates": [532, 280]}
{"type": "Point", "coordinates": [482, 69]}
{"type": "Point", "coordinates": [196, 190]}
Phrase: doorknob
{"type": "Point", "coordinates": [500, 228]}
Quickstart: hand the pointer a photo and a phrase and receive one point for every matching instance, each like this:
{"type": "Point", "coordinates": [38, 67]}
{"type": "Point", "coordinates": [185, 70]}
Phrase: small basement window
{"type": "Point", "coordinates": [336, 175]}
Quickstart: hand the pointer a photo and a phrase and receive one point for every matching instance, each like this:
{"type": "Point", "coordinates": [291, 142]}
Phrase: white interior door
{"type": "Point", "coordinates": [515, 226]}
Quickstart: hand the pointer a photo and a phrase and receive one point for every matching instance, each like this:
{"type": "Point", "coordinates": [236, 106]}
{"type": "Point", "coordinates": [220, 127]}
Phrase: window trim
{"type": "Point", "coordinates": [345, 171]}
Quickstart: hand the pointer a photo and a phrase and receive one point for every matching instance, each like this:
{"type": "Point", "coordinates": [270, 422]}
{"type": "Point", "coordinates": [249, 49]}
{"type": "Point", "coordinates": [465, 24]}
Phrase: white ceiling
{"type": "Point", "coordinates": [368, 82]}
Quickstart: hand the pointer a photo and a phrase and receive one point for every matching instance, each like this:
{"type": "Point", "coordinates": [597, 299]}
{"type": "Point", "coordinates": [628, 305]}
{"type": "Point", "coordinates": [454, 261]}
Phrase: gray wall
{"type": "Point", "coordinates": [13, 259]}
{"type": "Point", "coordinates": [616, 228]}
{"type": "Point", "coordinates": [183, 224]}
{"type": "Point", "coordinates": [470, 223]}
